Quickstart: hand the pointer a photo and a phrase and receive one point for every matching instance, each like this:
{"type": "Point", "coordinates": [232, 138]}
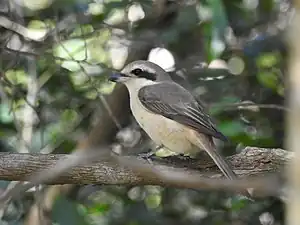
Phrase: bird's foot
{"type": "Point", "coordinates": [147, 156]}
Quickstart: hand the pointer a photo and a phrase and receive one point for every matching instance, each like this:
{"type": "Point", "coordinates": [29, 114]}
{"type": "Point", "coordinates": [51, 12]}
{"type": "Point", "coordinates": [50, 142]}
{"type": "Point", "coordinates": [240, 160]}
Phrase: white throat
{"type": "Point", "coordinates": [134, 85]}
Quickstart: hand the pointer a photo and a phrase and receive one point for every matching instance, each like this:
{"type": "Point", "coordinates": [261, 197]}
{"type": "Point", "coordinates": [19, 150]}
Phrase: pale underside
{"type": "Point", "coordinates": [163, 131]}
{"type": "Point", "coordinates": [157, 107]}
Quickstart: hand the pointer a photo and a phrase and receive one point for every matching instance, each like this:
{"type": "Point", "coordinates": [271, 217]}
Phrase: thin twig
{"type": "Point", "coordinates": [249, 106]}
{"type": "Point", "coordinates": [29, 114]}
{"type": "Point", "coordinates": [99, 95]}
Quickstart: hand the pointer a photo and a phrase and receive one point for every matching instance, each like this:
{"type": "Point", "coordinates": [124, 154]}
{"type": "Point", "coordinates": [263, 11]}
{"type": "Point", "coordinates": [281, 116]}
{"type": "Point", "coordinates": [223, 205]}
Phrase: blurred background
{"type": "Point", "coordinates": [55, 60]}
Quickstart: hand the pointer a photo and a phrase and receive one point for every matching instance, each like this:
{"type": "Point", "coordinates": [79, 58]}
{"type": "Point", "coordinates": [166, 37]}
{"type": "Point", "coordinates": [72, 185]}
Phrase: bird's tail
{"type": "Point", "coordinates": [206, 143]}
{"type": "Point", "coordinates": [220, 161]}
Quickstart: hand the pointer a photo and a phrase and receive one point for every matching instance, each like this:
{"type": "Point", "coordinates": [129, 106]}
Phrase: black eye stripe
{"type": "Point", "coordinates": [144, 74]}
{"type": "Point", "coordinates": [149, 76]}
{"type": "Point", "coordinates": [136, 71]}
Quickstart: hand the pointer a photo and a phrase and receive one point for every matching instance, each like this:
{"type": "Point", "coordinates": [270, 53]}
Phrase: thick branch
{"type": "Point", "coordinates": [251, 161]}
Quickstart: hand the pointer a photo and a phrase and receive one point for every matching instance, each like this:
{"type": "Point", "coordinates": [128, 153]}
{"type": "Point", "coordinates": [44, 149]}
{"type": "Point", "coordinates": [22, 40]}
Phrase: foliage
{"type": "Point", "coordinates": [51, 87]}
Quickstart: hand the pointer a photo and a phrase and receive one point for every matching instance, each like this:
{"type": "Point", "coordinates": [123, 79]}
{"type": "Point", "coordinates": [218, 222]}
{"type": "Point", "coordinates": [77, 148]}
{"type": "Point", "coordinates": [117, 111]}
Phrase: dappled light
{"type": "Point", "coordinates": [75, 149]}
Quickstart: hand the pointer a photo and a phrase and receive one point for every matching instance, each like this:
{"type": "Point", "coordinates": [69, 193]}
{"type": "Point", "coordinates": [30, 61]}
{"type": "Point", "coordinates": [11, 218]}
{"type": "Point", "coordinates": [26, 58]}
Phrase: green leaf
{"type": "Point", "coordinates": [81, 30]}
{"type": "Point", "coordinates": [268, 60]}
{"type": "Point", "coordinates": [153, 201]}
{"type": "Point", "coordinates": [106, 87]}
{"type": "Point", "coordinates": [72, 51]}
{"type": "Point", "coordinates": [207, 32]}
{"type": "Point", "coordinates": [237, 204]}
{"type": "Point", "coordinates": [268, 79]}
{"type": "Point", "coordinates": [229, 99]}
{"type": "Point", "coordinates": [217, 108]}
{"type": "Point", "coordinates": [267, 5]}
{"type": "Point", "coordinates": [280, 90]}
{"type": "Point", "coordinates": [5, 115]}
{"type": "Point", "coordinates": [231, 128]}
{"type": "Point", "coordinates": [95, 8]}
{"type": "Point", "coordinates": [17, 76]}
{"type": "Point", "coordinates": [69, 116]}
{"type": "Point", "coordinates": [36, 24]}
{"type": "Point", "coordinates": [99, 208]}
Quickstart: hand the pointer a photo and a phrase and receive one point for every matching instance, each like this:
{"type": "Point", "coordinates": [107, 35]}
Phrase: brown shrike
{"type": "Point", "coordinates": [170, 114]}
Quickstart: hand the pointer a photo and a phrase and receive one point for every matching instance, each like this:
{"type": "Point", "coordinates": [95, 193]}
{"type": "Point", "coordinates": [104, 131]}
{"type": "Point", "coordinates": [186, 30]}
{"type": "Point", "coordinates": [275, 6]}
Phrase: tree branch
{"type": "Point", "coordinates": [251, 161]}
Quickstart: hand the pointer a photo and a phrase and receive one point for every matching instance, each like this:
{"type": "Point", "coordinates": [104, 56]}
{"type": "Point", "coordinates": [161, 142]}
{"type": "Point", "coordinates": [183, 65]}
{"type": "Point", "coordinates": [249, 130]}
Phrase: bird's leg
{"type": "Point", "coordinates": [147, 156]}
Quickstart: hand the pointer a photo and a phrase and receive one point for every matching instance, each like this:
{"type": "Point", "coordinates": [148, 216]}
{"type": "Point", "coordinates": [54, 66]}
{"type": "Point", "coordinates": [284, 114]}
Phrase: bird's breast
{"type": "Point", "coordinates": [161, 130]}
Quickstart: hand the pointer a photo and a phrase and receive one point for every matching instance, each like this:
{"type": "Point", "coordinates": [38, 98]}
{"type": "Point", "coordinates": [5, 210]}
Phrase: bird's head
{"type": "Point", "coordinates": [143, 70]}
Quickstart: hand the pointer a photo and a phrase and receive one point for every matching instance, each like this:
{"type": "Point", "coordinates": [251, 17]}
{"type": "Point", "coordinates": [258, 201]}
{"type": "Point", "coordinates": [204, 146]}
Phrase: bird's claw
{"type": "Point", "coordinates": [147, 156]}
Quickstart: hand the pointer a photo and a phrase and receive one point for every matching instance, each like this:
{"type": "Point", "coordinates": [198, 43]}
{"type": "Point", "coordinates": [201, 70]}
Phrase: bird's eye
{"type": "Point", "coordinates": [136, 71]}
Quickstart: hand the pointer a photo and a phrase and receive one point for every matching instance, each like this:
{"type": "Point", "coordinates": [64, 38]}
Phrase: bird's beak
{"type": "Point", "coordinates": [114, 77]}
{"type": "Point", "coordinates": [117, 77]}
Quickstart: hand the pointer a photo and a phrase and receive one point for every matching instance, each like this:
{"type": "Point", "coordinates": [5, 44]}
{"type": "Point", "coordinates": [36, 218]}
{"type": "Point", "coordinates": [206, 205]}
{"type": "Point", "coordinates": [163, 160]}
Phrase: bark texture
{"type": "Point", "coordinates": [252, 161]}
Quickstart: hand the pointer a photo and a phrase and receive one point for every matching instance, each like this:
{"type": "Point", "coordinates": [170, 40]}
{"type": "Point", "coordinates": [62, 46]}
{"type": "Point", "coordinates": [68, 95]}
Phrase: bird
{"type": "Point", "coordinates": [169, 113]}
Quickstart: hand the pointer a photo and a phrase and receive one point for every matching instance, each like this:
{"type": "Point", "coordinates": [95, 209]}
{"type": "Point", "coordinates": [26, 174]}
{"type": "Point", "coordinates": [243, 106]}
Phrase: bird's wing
{"type": "Point", "coordinates": [174, 102]}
